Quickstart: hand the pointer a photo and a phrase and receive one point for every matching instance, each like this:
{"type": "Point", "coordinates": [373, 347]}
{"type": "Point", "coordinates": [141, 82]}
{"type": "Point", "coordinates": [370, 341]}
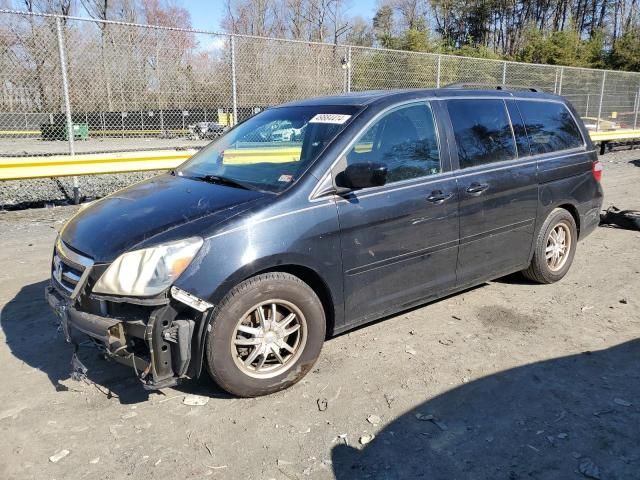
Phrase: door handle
{"type": "Point", "coordinates": [477, 188]}
{"type": "Point", "coordinates": [438, 197]}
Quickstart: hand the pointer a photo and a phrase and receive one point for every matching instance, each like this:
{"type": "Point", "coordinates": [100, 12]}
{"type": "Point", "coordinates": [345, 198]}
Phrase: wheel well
{"type": "Point", "coordinates": [316, 283]}
{"type": "Point", "coordinates": [574, 213]}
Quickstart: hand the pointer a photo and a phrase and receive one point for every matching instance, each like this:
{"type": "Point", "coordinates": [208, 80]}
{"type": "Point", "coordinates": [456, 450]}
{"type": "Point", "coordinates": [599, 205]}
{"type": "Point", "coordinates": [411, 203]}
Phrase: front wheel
{"type": "Point", "coordinates": [265, 335]}
{"type": "Point", "coordinates": [554, 249]}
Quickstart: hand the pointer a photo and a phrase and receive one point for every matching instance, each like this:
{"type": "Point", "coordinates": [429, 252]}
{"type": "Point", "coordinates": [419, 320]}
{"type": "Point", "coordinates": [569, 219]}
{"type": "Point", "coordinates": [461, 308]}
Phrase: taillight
{"type": "Point", "coordinates": [596, 170]}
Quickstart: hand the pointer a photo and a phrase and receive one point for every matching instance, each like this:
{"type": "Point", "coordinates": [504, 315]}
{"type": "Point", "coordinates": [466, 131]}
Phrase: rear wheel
{"type": "Point", "coordinates": [554, 249]}
{"type": "Point", "coordinates": [266, 334]}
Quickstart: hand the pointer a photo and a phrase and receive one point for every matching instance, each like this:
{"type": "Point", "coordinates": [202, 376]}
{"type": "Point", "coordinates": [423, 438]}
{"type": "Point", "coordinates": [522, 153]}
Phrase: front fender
{"type": "Point", "coordinates": [307, 237]}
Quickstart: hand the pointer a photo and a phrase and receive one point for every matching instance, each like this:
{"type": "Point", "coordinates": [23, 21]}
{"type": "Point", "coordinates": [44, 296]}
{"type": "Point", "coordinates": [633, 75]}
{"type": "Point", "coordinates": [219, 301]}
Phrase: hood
{"type": "Point", "coordinates": [118, 223]}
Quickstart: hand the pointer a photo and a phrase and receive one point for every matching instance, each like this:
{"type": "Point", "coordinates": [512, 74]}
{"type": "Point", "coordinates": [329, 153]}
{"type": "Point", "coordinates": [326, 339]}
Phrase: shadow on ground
{"type": "Point", "coordinates": [33, 335]}
{"type": "Point", "coordinates": [547, 420]}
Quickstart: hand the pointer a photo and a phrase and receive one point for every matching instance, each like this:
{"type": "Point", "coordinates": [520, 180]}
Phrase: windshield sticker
{"type": "Point", "coordinates": [286, 178]}
{"type": "Point", "coordinates": [335, 118]}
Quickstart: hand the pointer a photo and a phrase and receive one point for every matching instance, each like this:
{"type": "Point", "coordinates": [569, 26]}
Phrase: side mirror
{"type": "Point", "coordinates": [362, 175]}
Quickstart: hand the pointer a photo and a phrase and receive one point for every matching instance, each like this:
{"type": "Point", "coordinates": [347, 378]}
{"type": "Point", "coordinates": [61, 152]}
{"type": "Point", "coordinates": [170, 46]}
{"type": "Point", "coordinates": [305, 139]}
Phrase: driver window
{"type": "Point", "coordinates": [404, 140]}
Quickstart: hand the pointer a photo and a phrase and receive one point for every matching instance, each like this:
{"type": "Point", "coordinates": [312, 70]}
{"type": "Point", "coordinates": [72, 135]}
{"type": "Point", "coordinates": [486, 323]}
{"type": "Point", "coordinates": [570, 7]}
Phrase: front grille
{"type": "Point", "coordinates": [68, 266]}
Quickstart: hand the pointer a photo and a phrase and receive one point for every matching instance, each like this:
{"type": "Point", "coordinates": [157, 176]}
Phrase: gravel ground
{"type": "Point", "coordinates": [507, 380]}
{"type": "Point", "coordinates": [37, 193]}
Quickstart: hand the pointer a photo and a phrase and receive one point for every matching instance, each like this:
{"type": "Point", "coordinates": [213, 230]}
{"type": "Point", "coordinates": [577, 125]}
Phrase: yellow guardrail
{"type": "Point", "coordinates": [261, 155]}
{"type": "Point", "coordinates": [16, 168]}
{"type": "Point", "coordinates": [613, 135]}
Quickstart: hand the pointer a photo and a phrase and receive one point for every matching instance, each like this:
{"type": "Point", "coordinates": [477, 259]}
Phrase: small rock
{"type": "Point", "coordinates": [624, 301]}
{"type": "Point", "coordinates": [445, 341]}
{"type": "Point", "coordinates": [284, 462]}
{"type": "Point", "coordinates": [93, 461]}
{"type": "Point", "coordinates": [410, 350]}
{"type": "Point", "coordinates": [129, 415]}
{"type": "Point", "coordinates": [389, 399]}
{"type": "Point", "coordinates": [364, 439]}
{"type": "Point", "coordinates": [589, 469]}
{"type": "Point", "coordinates": [621, 402]}
{"type": "Point", "coordinates": [563, 435]}
{"type": "Point", "coordinates": [412, 332]}
{"type": "Point", "coordinates": [373, 419]}
{"type": "Point", "coordinates": [195, 400]}
{"type": "Point", "coordinates": [551, 440]}
{"type": "Point", "coordinates": [343, 438]}
{"type": "Point", "coordinates": [59, 456]}
{"type": "Point", "coordinates": [455, 317]}
{"type": "Point", "coordinates": [586, 308]}
{"type": "Point", "coordinates": [323, 403]}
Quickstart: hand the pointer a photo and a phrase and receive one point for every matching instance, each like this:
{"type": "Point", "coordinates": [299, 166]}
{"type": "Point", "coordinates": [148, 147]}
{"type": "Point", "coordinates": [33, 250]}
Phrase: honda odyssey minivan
{"type": "Point", "coordinates": [246, 257]}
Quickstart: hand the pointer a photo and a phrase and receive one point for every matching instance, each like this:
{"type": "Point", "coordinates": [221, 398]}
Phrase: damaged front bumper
{"type": "Point", "coordinates": [157, 341]}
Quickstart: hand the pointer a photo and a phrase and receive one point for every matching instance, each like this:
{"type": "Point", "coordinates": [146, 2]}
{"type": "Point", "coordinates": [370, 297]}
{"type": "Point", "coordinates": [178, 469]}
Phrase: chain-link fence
{"type": "Point", "coordinates": [76, 85]}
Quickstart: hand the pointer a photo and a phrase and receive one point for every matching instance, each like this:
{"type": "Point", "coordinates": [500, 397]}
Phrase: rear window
{"type": "Point", "coordinates": [482, 130]}
{"type": "Point", "coordinates": [550, 126]}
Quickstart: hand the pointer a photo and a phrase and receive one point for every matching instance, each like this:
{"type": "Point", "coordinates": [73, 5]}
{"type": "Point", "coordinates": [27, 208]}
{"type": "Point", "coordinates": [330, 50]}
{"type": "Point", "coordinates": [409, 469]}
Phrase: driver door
{"type": "Point", "coordinates": [399, 241]}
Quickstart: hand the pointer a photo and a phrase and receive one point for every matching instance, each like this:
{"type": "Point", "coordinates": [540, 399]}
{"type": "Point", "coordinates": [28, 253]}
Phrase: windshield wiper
{"type": "Point", "coordinates": [223, 181]}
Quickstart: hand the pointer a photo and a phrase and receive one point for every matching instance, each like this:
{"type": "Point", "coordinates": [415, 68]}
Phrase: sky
{"type": "Point", "coordinates": [207, 14]}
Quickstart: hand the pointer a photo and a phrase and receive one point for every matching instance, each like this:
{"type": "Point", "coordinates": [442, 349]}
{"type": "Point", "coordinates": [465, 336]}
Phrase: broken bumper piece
{"type": "Point", "coordinates": [158, 345]}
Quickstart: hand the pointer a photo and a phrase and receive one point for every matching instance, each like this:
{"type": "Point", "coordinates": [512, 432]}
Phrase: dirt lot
{"type": "Point", "coordinates": [522, 381]}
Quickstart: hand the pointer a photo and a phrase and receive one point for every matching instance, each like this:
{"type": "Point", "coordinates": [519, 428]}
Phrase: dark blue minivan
{"type": "Point", "coordinates": [317, 216]}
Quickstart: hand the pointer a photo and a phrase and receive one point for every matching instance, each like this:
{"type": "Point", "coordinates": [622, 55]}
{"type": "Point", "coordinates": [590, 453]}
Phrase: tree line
{"type": "Point", "coordinates": [585, 33]}
{"type": "Point", "coordinates": [118, 68]}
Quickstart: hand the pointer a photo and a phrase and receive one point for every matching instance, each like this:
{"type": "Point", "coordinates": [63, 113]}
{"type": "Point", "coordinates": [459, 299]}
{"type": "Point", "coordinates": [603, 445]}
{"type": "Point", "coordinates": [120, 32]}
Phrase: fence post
{"type": "Point", "coordinates": [586, 110]}
{"type": "Point", "coordinates": [438, 72]}
{"type": "Point", "coordinates": [560, 81]}
{"type": "Point", "coordinates": [349, 69]}
{"type": "Point", "coordinates": [604, 79]}
{"type": "Point", "coordinates": [635, 117]}
{"type": "Point", "coordinates": [233, 80]}
{"type": "Point", "coordinates": [504, 73]}
{"type": "Point", "coordinates": [67, 106]}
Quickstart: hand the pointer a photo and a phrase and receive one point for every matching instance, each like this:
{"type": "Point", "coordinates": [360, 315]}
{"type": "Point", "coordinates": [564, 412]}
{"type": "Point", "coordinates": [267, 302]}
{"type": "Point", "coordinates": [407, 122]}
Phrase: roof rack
{"type": "Point", "coordinates": [488, 86]}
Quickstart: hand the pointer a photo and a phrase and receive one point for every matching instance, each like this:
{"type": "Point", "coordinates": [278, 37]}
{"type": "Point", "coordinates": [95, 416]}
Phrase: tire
{"type": "Point", "coordinates": [542, 269]}
{"type": "Point", "coordinates": [243, 323]}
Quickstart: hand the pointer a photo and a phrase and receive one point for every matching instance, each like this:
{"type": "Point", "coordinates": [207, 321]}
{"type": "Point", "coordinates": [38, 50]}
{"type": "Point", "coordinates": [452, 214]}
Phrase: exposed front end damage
{"type": "Point", "coordinates": [154, 336]}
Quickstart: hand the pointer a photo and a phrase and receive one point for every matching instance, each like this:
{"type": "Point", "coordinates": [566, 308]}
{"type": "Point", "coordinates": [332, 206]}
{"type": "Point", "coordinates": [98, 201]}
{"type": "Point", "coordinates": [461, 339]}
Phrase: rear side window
{"type": "Point", "coordinates": [550, 126]}
{"type": "Point", "coordinates": [482, 130]}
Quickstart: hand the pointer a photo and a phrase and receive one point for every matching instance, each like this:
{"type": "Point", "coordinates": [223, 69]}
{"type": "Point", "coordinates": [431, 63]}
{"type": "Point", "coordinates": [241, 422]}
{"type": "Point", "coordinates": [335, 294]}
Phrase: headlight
{"type": "Point", "coordinates": [149, 271]}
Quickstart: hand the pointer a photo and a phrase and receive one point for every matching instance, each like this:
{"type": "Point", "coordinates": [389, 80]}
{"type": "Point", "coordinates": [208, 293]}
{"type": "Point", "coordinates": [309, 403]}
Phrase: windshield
{"type": "Point", "coordinates": [270, 150]}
